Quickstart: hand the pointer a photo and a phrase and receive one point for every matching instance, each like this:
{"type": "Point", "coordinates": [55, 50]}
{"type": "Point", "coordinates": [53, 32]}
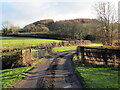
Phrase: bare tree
{"type": "Point", "coordinates": [5, 27]}
{"type": "Point", "coordinates": [106, 15]}
{"type": "Point", "coordinates": [9, 28]}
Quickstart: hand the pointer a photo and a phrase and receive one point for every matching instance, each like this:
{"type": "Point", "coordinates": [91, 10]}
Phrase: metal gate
{"type": "Point", "coordinates": [38, 53]}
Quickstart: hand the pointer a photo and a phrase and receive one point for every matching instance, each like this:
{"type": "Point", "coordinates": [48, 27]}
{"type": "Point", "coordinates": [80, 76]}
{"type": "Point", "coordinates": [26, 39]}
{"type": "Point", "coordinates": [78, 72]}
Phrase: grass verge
{"type": "Point", "coordinates": [98, 77]}
{"type": "Point", "coordinates": [10, 75]}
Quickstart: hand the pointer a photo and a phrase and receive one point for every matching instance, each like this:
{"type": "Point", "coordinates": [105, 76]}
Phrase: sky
{"type": "Point", "coordinates": [23, 12]}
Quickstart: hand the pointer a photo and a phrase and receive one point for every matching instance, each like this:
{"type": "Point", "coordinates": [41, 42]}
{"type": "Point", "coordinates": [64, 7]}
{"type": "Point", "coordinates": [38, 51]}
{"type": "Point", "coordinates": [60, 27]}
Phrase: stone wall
{"type": "Point", "coordinates": [25, 56]}
{"type": "Point", "coordinates": [11, 59]}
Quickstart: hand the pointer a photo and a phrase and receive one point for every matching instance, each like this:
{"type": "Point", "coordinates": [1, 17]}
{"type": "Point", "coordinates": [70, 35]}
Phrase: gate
{"type": "Point", "coordinates": [38, 53]}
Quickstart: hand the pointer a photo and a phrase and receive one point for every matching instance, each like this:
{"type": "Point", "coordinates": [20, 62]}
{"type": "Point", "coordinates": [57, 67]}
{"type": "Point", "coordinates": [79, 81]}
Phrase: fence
{"type": "Point", "coordinates": [98, 56]}
{"type": "Point", "coordinates": [38, 53]}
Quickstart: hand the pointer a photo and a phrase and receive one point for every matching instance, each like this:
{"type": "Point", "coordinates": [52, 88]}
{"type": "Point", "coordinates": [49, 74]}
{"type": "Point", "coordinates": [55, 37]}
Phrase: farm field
{"type": "Point", "coordinates": [98, 77]}
{"type": "Point", "coordinates": [66, 48]}
{"type": "Point", "coordinates": [94, 45]}
{"type": "Point", "coordinates": [34, 33]}
{"type": "Point", "coordinates": [21, 42]}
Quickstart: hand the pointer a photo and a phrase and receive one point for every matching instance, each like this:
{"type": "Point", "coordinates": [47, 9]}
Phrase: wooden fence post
{"type": "Point", "coordinates": [115, 59]}
{"type": "Point", "coordinates": [106, 58]}
{"type": "Point", "coordinates": [78, 55]}
{"type": "Point", "coordinates": [82, 55]}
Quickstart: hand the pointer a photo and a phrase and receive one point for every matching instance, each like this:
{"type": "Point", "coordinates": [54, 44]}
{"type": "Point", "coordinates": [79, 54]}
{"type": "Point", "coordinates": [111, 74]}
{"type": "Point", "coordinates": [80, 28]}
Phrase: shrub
{"type": "Point", "coordinates": [11, 59]}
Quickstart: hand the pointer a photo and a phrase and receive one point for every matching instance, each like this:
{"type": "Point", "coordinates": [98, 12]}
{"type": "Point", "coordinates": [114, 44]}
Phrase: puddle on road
{"type": "Point", "coordinates": [69, 86]}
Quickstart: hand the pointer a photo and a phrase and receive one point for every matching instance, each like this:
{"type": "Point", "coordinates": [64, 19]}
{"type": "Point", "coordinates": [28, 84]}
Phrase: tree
{"type": "Point", "coordinates": [9, 28]}
{"type": "Point", "coordinates": [14, 29]}
{"type": "Point", "coordinates": [36, 28]}
{"type": "Point", "coordinates": [44, 29]}
{"type": "Point", "coordinates": [6, 27]}
{"type": "Point", "coordinates": [106, 15]}
{"type": "Point", "coordinates": [29, 28]}
{"type": "Point", "coordinates": [71, 29]}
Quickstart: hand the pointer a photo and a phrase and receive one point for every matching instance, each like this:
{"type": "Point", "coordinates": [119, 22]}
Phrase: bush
{"type": "Point", "coordinates": [11, 59]}
{"type": "Point", "coordinates": [75, 60]}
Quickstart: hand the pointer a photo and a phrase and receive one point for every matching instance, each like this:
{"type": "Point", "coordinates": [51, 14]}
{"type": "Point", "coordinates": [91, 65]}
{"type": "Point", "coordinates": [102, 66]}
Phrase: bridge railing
{"type": "Point", "coordinates": [98, 56]}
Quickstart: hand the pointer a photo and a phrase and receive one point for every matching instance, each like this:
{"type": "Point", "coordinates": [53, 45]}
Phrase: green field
{"type": "Point", "coordinates": [66, 48]}
{"type": "Point", "coordinates": [10, 75]}
{"type": "Point", "coordinates": [20, 42]}
{"type": "Point", "coordinates": [94, 45]}
{"type": "Point", "coordinates": [98, 77]}
{"type": "Point", "coordinates": [34, 33]}
{"type": "Point", "coordinates": [49, 33]}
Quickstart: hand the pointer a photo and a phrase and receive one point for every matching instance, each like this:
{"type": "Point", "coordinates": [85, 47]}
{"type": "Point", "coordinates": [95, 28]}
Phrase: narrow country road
{"type": "Point", "coordinates": [54, 72]}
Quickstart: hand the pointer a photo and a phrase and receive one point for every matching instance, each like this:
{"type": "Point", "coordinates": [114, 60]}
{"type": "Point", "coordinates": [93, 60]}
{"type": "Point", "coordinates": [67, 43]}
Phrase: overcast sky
{"type": "Point", "coordinates": [23, 12]}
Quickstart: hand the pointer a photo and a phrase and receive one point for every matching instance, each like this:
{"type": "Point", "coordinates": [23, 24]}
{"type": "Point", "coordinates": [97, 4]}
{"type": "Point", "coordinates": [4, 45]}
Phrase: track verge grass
{"type": "Point", "coordinates": [10, 75]}
{"type": "Point", "coordinates": [98, 77]}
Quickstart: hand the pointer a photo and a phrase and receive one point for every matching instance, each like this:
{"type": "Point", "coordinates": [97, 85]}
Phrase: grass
{"type": "Point", "coordinates": [49, 33]}
{"type": "Point", "coordinates": [21, 42]}
{"type": "Point", "coordinates": [34, 33]}
{"type": "Point", "coordinates": [98, 77]}
{"type": "Point", "coordinates": [10, 75]}
{"type": "Point", "coordinates": [66, 48]}
{"type": "Point", "coordinates": [94, 45]}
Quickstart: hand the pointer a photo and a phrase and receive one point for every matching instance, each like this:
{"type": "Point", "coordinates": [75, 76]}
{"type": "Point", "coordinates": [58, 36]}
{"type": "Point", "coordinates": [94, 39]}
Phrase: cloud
{"type": "Point", "coordinates": [23, 12]}
{"type": "Point", "coordinates": [28, 12]}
